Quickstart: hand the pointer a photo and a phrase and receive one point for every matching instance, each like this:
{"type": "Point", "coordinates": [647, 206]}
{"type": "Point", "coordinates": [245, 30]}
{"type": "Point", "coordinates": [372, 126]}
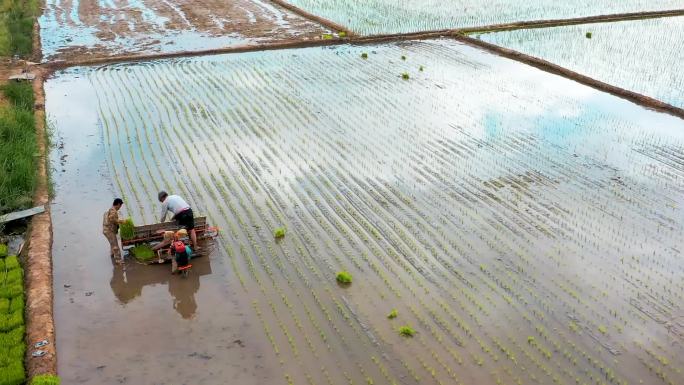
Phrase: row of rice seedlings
{"type": "Point", "coordinates": [12, 329]}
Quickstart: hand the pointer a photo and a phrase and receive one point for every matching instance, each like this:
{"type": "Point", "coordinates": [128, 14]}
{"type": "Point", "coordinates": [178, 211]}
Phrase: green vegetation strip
{"type": "Point", "coordinates": [16, 26]}
{"type": "Point", "coordinates": [18, 148]}
{"type": "Point", "coordinates": [12, 345]}
{"type": "Point", "coordinates": [45, 379]}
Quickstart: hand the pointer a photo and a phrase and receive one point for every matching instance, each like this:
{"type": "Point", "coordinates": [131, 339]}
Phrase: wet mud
{"type": "Point", "coordinates": [87, 29]}
{"type": "Point", "coordinates": [138, 325]}
{"type": "Point", "coordinates": [526, 226]}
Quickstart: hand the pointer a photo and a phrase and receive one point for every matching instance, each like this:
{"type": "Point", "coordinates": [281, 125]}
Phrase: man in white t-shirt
{"type": "Point", "coordinates": [182, 213]}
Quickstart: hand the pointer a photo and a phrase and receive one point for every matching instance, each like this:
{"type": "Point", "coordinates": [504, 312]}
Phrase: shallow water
{"type": "Point", "coordinates": [526, 226]}
{"type": "Point", "coordinates": [644, 56]}
{"type": "Point", "coordinates": [77, 29]}
{"type": "Point", "coordinates": [394, 16]}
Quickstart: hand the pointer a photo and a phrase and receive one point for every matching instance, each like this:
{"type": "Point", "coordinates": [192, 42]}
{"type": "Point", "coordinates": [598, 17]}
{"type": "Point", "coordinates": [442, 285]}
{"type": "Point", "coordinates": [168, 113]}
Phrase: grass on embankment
{"type": "Point", "coordinates": [18, 148]}
{"type": "Point", "coordinates": [16, 26]}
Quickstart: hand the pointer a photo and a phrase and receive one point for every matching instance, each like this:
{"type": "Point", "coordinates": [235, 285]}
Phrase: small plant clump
{"type": "Point", "coordinates": [403, 57]}
{"type": "Point", "coordinates": [588, 35]}
{"type": "Point", "coordinates": [127, 229]}
{"type": "Point", "coordinates": [45, 379]}
{"type": "Point", "coordinates": [342, 34]}
{"type": "Point", "coordinates": [3, 251]}
{"type": "Point", "coordinates": [421, 68]}
{"type": "Point", "coordinates": [364, 55]}
{"type": "Point", "coordinates": [344, 277]}
{"type": "Point", "coordinates": [393, 314]}
{"type": "Point", "coordinates": [327, 36]}
{"type": "Point", "coordinates": [142, 253]}
{"type": "Point", "coordinates": [405, 76]}
{"type": "Point", "coordinates": [279, 232]}
{"type": "Point", "coordinates": [407, 331]}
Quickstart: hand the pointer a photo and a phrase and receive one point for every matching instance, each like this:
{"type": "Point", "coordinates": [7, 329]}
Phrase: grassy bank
{"type": "Point", "coordinates": [16, 26]}
{"type": "Point", "coordinates": [17, 147]}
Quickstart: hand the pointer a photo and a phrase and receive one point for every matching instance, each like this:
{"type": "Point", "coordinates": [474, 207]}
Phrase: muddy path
{"type": "Point", "coordinates": [160, 328]}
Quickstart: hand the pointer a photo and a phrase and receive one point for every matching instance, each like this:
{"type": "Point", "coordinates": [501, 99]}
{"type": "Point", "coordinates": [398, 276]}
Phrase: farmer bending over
{"type": "Point", "coordinates": [182, 213]}
{"type": "Point", "coordinates": [110, 226]}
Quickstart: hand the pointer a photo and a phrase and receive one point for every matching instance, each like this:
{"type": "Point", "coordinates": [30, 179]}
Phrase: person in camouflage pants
{"type": "Point", "coordinates": [110, 227]}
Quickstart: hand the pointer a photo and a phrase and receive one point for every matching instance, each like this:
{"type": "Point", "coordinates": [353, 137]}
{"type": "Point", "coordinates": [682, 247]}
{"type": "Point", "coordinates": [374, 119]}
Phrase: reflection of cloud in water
{"type": "Point", "coordinates": [127, 285]}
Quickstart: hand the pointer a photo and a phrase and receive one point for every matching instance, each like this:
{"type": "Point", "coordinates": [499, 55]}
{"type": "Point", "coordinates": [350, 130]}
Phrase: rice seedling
{"type": "Point", "coordinates": [406, 331]}
{"type": "Point", "coordinates": [279, 232]}
{"type": "Point", "coordinates": [127, 229]}
{"type": "Point", "coordinates": [405, 76]}
{"type": "Point", "coordinates": [327, 36]}
{"type": "Point", "coordinates": [364, 55]}
{"type": "Point", "coordinates": [393, 314]}
{"type": "Point", "coordinates": [403, 57]}
{"type": "Point", "coordinates": [143, 253]}
{"type": "Point", "coordinates": [344, 277]}
{"type": "Point", "coordinates": [45, 379]}
{"type": "Point", "coordinates": [588, 35]}
{"type": "Point", "coordinates": [421, 68]}
{"type": "Point", "coordinates": [342, 34]}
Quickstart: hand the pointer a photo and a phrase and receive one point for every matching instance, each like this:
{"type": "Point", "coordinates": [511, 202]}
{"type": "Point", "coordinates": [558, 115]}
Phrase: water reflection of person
{"type": "Point", "coordinates": [128, 284]}
{"type": "Point", "coordinates": [183, 291]}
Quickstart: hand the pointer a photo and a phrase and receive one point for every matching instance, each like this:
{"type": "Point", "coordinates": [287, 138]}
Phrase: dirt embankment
{"type": "Point", "coordinates": [38, 262]}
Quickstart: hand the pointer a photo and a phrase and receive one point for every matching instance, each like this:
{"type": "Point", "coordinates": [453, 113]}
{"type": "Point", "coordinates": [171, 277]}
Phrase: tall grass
{"type": "Point", "coordinates": [18, 148]}
{"type": "Point", "coordinates": [16, 26]}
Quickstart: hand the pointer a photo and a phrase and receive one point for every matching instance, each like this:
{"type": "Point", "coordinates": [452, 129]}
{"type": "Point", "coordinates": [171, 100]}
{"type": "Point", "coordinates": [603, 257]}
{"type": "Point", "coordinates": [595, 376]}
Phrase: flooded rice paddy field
{"type": "Point", "coordinates": [395, 16]}
{"type": "Point", "coordinates": [82, 29]}
{"type": "Point", "coordinates": [527, 227]}
{"type": "Point", "coordinates": [642, 56]}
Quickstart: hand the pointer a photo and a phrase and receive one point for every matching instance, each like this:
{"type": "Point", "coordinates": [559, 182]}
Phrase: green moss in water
{"type": "Point", "coordinates": [344, 277]}
{"type": "Point", "coordinates": [127, 229]}
{"type": "Point", "coordinates": [143, 253]}
{"type": "Point", "coordinates": [407, 331]}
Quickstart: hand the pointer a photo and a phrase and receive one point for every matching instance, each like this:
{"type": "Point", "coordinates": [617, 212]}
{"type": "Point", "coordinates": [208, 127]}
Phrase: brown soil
{"type": "Point", "coordinates": [38, 264]}
{"type": "Point", "coordinates": [255, 22]}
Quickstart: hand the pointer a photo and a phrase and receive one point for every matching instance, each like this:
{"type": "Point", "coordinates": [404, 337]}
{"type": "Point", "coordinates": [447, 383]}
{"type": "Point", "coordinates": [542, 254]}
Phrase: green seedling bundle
{"type": "Point", "coordinates": [12, 345]}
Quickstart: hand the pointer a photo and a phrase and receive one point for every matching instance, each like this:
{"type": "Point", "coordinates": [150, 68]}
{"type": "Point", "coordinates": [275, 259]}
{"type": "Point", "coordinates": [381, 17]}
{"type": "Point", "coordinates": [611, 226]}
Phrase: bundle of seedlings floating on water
{"type": "Point", "coordinates": [279, 232]}
{"type": "Point", "coordinates": [588, 35]}
{"type": "Point", "coordinates": [142, 253]}
{"type": "Point", "coordinates": [364, 55]}
{"type": "Point", "coordinates": [405, 76]}
{"type": "Point", "coordinates": [127, 229]}
{"type": "Point", "coordinates": [344, 277]}
{"type": "Point", "coordinates": [407, 331]}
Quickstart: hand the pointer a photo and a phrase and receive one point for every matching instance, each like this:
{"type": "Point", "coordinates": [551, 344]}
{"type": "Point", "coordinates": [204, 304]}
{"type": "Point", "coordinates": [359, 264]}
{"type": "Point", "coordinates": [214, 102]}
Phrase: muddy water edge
{"type": "Point", "coordinates": [160, 328]}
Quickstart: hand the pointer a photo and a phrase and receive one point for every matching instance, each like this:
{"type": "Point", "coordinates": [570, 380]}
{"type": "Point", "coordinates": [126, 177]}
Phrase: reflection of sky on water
{"type": "Point", "coordinates": [643, 56]}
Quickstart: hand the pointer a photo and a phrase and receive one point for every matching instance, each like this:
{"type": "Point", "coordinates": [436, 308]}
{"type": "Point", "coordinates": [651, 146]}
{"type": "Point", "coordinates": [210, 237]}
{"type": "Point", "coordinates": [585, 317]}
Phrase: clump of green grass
{"type": "Point", "coordinates": [342, 34]}
{"type": "Point", "coordinates": [588, 35]}
{"type": "Point", "coordinates": [127, 229]}
{"type": "Point", "coordinates": [143, 253]}
{"type": "Point", "coordinates": [16, 27]}
{"type": "Point", "coordinates": [344, 277]}
{"type": "Point", "coordinates": [364, 55]}
{"type": "Point", "coordinates": [407, 331]}
{"type": "Point", "coordinates": [20, 94]}
{"type": "Point", "coordinates": [405, 76]}
{"type": "Point", "coordinates": [18, 148]}
{"type": "Point", "coordinates": [279, 232]}
{"type": "Point", "coordinates": [45, 379]}
{"type": "Point", "coordinates": [393, 314]}
{"type": "Point", "coordinates": [327, 36]}
{"type": "Point", "coordinates": [3, 250]}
